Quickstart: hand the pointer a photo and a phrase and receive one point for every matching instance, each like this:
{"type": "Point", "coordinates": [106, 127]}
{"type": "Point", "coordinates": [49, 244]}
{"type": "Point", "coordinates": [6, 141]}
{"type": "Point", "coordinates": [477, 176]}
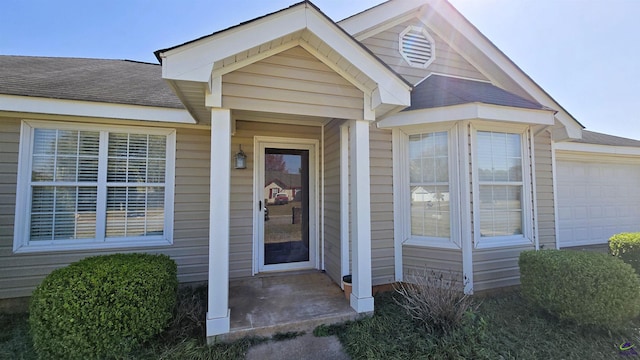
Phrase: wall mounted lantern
{"type": "Point", "coordinates": [241, 159]}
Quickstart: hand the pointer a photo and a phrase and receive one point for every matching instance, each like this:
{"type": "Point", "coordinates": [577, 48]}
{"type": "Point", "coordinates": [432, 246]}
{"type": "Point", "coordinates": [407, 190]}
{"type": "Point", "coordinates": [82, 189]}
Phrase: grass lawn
{"type": "Point", "coordinates": [504, 327]}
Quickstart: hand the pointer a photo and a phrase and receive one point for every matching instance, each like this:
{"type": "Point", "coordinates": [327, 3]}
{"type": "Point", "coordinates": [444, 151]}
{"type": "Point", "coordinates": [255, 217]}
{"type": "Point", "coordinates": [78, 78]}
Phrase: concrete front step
{"type": "Point", "coordinates": [279, 303]}
{"type": "Point", "coordinates": [306, 325]}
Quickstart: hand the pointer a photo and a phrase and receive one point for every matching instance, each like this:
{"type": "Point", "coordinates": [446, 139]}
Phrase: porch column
{"type": "Point", "coordinates": [361, 299]}
{"type": "Point", "coordinates": [218, 313]}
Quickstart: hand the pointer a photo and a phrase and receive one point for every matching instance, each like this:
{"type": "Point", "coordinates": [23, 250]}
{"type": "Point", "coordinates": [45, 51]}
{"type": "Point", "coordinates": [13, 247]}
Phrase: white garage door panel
{"type": "Point", "coordinates": [596, 200]}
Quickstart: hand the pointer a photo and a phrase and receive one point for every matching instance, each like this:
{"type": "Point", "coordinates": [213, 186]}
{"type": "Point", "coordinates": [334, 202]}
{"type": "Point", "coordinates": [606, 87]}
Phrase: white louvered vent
{"type": "Point", "coordinates": [417, 47]}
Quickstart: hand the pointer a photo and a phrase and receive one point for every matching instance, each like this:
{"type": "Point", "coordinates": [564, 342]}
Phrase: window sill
{"type": "Point", "coordinates": [34, 247]}
{"type": "Point", "coordinates": [432, 242]}
{"type": "Point", "coordinates": [502, 241]}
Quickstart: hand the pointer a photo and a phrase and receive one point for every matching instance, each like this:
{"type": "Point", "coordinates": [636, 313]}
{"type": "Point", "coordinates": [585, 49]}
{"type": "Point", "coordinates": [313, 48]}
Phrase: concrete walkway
{"type": "Point", "coordinates": [306, 347]}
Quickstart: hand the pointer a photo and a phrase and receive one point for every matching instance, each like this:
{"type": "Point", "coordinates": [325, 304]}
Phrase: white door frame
{"type": "Point", "coordinates": [261, 143]}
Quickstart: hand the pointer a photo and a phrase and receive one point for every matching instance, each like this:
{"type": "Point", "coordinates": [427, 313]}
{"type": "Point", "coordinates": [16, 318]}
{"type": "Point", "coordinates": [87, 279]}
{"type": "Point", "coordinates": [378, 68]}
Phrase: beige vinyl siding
{"type": "Point", "coordinates": [544, 191]}
{"type": "Point", "coordinates": [21, 273]}
{"type": "Point", "coordinates": [332, 243]}
{"type": "Point", "coordinates": [417, 259]}
{"type": "Point", "coordinates": [386, 46]}
{"type": "Point", "coordinates": [497, 267]}
{"type": "Point", "coordinates": [292, 82]}
{"type": "Point", "coordinates": [241, 223]}
{"type": "Point", "coordinates": [382, 243]}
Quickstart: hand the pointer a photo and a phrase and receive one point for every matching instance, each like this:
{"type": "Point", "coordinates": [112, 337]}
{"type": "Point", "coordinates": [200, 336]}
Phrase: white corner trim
{"type": "Point", "coordinates": [470, 111]}
{"type": "Point", "coordinates": [466, 238]}
{"type": "Point", "coordinates": [534, 190]}
{"type": "Point", "coordinates": [28, 104]}
{"type": "Point", "coordinates": [399, 201]}
{"type": "Point", "coordinates": [594, 148]}
{"type": "Point", "coordinates": [554, 181]}
{"type": "Point", "coordinates": [344, 199]}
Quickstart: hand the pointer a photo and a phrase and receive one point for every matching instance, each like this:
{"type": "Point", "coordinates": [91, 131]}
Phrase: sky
{"type": "Point", "coordinates": [584, 53]}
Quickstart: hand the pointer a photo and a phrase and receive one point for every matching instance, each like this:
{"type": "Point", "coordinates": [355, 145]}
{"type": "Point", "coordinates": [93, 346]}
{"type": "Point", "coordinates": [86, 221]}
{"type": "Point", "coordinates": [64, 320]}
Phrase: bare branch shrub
{"type": "Point", "coordinates": [189, 315]}
{"type": "Point", "coordinates": [435, 299]}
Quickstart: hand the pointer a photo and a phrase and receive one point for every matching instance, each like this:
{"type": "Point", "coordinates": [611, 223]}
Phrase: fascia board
{"type": "Point", "coordinates": [471, 111]}
{"type": "Point", "coordinates": [27, 104]}
{"type": "Point", "coordinates": [194, 62]}
{"type": "Point", "coordinates": [380, 14]}
{"type": "Point", "coordinates": [482, 44]}
{"type": "Point", "coordinates": [595, 148]}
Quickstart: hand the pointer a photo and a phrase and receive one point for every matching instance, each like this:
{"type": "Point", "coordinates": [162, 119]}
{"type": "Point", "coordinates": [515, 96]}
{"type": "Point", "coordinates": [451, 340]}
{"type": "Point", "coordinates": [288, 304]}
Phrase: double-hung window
{"type": "Point", "coordinates": [502, 188]}
{"type": "Point", "coordinates": [431, 209]}
{"type": "Point", "coordinates": [87, 187]}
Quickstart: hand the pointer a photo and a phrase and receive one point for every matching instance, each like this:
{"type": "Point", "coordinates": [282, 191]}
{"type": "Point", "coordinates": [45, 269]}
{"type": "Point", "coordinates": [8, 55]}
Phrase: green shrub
{"type": "Point", "coordinates": [102, 306]}
{"type": "Point", "coordinates": [626, 246]}
{"type": "Point", "coordinates": [585, 287]}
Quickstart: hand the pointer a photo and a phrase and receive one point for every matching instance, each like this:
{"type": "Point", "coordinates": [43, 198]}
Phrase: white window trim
{"type": "Point", "coordinates": [402, 203]}
{"type": "Point", "coordinates": [21, 243]}
{"type": "Point", "coordinates": [527, 237]}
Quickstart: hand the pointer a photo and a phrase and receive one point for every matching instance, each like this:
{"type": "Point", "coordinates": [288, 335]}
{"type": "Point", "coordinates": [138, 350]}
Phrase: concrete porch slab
{"type": "Point", "coordinates": [284, 302]}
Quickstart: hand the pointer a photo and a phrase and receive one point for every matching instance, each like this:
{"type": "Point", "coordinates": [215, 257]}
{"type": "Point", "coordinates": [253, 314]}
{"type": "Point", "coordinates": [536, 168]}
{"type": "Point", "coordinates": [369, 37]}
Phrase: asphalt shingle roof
{"type": "Point", "coordinates": [438, 91]}
{"type": "Point", "coordinates": [110, 81]}
{"type": "Point", "coordinates": [590, 137]}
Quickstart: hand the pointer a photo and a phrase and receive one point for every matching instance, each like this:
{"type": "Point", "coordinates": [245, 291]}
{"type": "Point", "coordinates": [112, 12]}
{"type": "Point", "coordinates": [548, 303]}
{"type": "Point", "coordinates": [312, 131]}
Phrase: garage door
{"type": "Point", "coordinates": [596, 199]}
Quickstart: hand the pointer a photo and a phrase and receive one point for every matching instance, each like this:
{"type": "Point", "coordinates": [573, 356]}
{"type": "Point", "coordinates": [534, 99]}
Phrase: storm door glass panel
{"type": "Point", "coordinates": [286, 215]}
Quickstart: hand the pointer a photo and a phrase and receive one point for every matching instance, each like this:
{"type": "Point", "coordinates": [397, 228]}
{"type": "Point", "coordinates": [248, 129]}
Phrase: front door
{"type": "Point", "coordinates": [286, 205]}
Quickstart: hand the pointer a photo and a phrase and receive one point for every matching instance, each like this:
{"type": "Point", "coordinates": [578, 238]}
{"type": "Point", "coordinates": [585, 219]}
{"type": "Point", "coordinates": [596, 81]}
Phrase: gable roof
{"type": "Point", "coordinates": [195, 69]}
{"type": "Point", "coordinates": [448, 23]}
{"type": "Point", "coordinates": [439, 91]}
{"type": "Point", "coordinates": [97, 80]}
{"type": "Point", "coordinates": [595, 138]}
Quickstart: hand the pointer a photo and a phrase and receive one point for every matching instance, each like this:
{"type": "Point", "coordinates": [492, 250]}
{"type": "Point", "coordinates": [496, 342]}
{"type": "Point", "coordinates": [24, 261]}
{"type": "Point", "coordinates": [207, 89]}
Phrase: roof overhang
{"type": "Point", "coordinates": [39, 105]}
{"type": "Point", "coordinates": [470, 111]}
{"type": "Point", "coordinates": [204, 60]}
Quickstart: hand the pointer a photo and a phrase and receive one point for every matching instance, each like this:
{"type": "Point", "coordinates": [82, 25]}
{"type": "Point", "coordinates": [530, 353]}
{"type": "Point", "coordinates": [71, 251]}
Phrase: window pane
{"type": "Point", "coordinates": [429, 178]}
{"type": "Point", "coordinates": [135, 211]}
{"type": "Point", "coordinates": [430, 211]}
{"type": "Point", "coordinates": [42, 167]}
{"type": "Point", "coordinates": [136, 158]}
{"type": "Point", "coordinates": [499, 156]}
{"type": "Point", "coordinates": [56, 155]}
{"type": "Point", "coordinates": [63, 212]}
{"type": "Point", "coordinates": [500, 210]}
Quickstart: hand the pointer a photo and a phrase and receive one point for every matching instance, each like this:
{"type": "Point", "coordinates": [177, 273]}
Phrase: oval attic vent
{"type": "Point", "coordinates": [417, 47]}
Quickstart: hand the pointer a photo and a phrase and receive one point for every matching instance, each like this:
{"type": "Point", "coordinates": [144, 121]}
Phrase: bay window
{"type": "Point", "coordinates": [85, 186]}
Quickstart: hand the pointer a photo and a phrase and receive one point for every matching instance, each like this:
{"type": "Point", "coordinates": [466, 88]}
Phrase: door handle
{"type": "Point", "coordinates": [259, 205]}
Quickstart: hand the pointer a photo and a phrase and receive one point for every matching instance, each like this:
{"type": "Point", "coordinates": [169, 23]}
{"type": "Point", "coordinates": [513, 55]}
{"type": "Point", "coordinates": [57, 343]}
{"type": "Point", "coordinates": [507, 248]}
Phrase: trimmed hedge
{"type": "Point", "coordinates": [102, 306]}
{"type": "Point", "coordinates": [626, 246]}
{"type": "Point", "coordinates": [585, 287]}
